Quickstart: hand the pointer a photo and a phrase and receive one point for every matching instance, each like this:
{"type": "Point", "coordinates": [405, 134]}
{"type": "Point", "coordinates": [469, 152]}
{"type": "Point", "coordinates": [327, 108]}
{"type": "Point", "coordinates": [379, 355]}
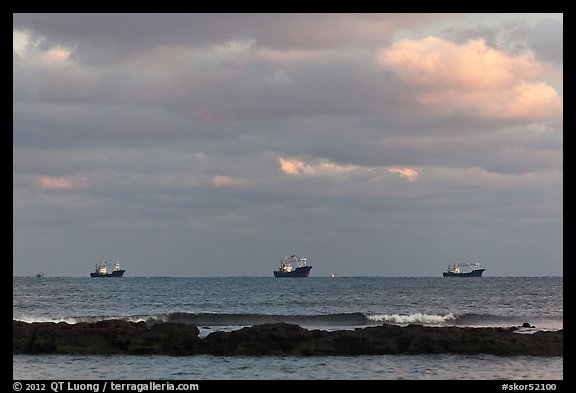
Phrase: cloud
{"type": "Point", "coordinates": [224, 181]}
{"type": "Point", "coordinates": [19, 42]}
{"type": "Point", "coordinates": [473, 77]}
{"type": "Point", "coordinates": [545, 38]}
{"type": "Point", "coordinates": [292, 166]}
{"type": "Point", "coordinates": [408, 173]}
{"type": "Point", "coordinates": [218, 134]}
{"type": "Point", "coordinates": [434, 62]}
{"type": "Point", "coordinates": [279, 78]}
{"type": "Point", "coordinates": [535, 101]}
{"type": "Point", "coordinates": [224, 81]}
{"type": "Point", "coordinates": [474, 179]}
{"type": "Point", "coordinates": [367, 175]}
{"type": "Point", "coordinates": [62, 183]}
{"type": "Point", "coordinates": [57, 54]}
{"type": "Point", "coordinates": [103, 38]}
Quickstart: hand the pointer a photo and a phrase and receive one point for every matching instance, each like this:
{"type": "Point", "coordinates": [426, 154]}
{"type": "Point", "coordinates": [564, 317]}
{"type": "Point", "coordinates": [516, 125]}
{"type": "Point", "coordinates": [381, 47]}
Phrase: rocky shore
{"type": "Point", "coordinates": [178, 339]}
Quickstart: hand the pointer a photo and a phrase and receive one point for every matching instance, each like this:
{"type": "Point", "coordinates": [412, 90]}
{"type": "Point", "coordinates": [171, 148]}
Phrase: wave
{"type": "Point", "coordinates": [418, 318]}
{"type": "Point", "coordinates": [342, 320]}
{"type": "Point", "coordinates": [88, 319]}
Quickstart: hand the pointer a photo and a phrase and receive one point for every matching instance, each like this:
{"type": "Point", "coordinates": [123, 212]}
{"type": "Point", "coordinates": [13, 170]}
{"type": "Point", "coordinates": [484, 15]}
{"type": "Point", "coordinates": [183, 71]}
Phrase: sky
{"type": "Point", "coordinates": [216, 144]}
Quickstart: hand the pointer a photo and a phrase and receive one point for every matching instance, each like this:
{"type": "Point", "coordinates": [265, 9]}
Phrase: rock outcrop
{"type": "Point", "coordinates": [178, 339]}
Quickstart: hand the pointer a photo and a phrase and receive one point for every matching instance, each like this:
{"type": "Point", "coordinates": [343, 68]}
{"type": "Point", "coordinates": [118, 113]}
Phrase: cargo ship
{"type": "Point", "coordinates": [293, 266]}
{"type": "Point", "coordinates": [455, 270]}
{"type": "Point", "coordinates": [102, 270]}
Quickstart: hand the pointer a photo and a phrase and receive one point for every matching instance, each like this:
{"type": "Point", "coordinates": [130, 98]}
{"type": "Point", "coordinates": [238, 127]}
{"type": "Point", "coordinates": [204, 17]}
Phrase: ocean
{"type": "Point", "coordinates": [329, 303]}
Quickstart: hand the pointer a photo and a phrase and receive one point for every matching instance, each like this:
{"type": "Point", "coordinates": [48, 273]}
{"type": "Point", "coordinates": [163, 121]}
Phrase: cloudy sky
{"type": "Point", "coordinates": [216, 144]}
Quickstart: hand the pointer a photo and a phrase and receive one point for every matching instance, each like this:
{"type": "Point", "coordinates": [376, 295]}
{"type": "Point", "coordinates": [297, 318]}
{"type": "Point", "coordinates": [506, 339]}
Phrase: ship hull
{"type": "Point", "coordinates": [115, 273]}
{"type": "Point", "coordinates": [473, 273]}
{"type": "Point", "coordinates": [301, 272]}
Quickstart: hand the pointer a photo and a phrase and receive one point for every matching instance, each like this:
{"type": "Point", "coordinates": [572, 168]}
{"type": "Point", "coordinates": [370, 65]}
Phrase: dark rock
{"type": "Point", "coordinates": [123, 337]}
{"type": "Point", "coordinates": [103, 337]}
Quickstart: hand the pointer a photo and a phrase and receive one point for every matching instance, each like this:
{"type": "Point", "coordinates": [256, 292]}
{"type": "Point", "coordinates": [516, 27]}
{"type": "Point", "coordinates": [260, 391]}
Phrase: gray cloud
{"type": "Point", "coordinates": [546, 38]}
{"type": "Point", "coordinates": [106, 38]}
{"type": "Point", "coordinates": [542, 34]}
{"type": "Point", "coordinates": [198, 140]}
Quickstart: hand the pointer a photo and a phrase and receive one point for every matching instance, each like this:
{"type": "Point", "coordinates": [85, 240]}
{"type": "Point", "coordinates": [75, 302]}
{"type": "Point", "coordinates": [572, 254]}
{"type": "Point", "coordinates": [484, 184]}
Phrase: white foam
{"type": "Point", "coordinates": [418, 318]}
{"type": "Point", "coordinates": [70, 320]}
{"type": "Point", "coordinates": [73, 320]}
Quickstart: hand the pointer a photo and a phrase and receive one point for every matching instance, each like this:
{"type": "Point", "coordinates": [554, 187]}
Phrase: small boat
{"type": "Point", "coordinates": [293, 266]}
{"type": "Point", "coordinates": [456, 270]}
{"type": "Point", "coordinates": [102, 270]}
{"type": "Point", "coordinates": [39, 275]}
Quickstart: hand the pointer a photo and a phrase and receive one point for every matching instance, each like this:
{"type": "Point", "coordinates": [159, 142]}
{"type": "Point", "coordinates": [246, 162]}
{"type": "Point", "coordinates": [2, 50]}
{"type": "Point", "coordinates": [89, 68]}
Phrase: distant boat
{"type": "Point", "coordinates": [293, 266]}
{"type": "Point", "coordinates": [102, 270]}
{"type": "Point", "coordinates": [456, 270]}
{"type": "Point", "coordinates": [40, 275]}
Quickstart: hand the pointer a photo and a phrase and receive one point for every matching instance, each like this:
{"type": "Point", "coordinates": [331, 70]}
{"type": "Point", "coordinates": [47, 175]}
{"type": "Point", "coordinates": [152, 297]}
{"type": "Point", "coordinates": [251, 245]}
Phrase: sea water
{"type": "Point", "coordinates": [229, 303]}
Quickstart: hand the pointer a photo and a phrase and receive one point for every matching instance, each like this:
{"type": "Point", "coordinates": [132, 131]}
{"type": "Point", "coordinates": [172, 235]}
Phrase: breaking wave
{"type": "Point", "coordinates": [418, 318]}
{"type": "Point", "coordinates": [342, 320]}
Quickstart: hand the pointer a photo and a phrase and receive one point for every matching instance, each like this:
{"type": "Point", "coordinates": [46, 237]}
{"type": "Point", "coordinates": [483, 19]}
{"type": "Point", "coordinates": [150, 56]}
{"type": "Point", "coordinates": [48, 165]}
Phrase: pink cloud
{"type": "Point", "coordinates": [54, 56]}
{"type": "Point", "coordinates": [536, 101]}
{"type": "Point", "coordinates": [473, 65]}
{"type": "Point", "coordinates": [59, 54]}
{"type": "Point", "coordinates": [324, 167]}
{"type": "Point", "coordinates": [293, 166]}
{"type": "Point", "coordinates": [408, 173]}
{"type": "Point", "coordinates": [62, 183]}
{"type": "Point", "coordinates": [474, 77]}
{"type": "Point", "coordinates": [223, 181]}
